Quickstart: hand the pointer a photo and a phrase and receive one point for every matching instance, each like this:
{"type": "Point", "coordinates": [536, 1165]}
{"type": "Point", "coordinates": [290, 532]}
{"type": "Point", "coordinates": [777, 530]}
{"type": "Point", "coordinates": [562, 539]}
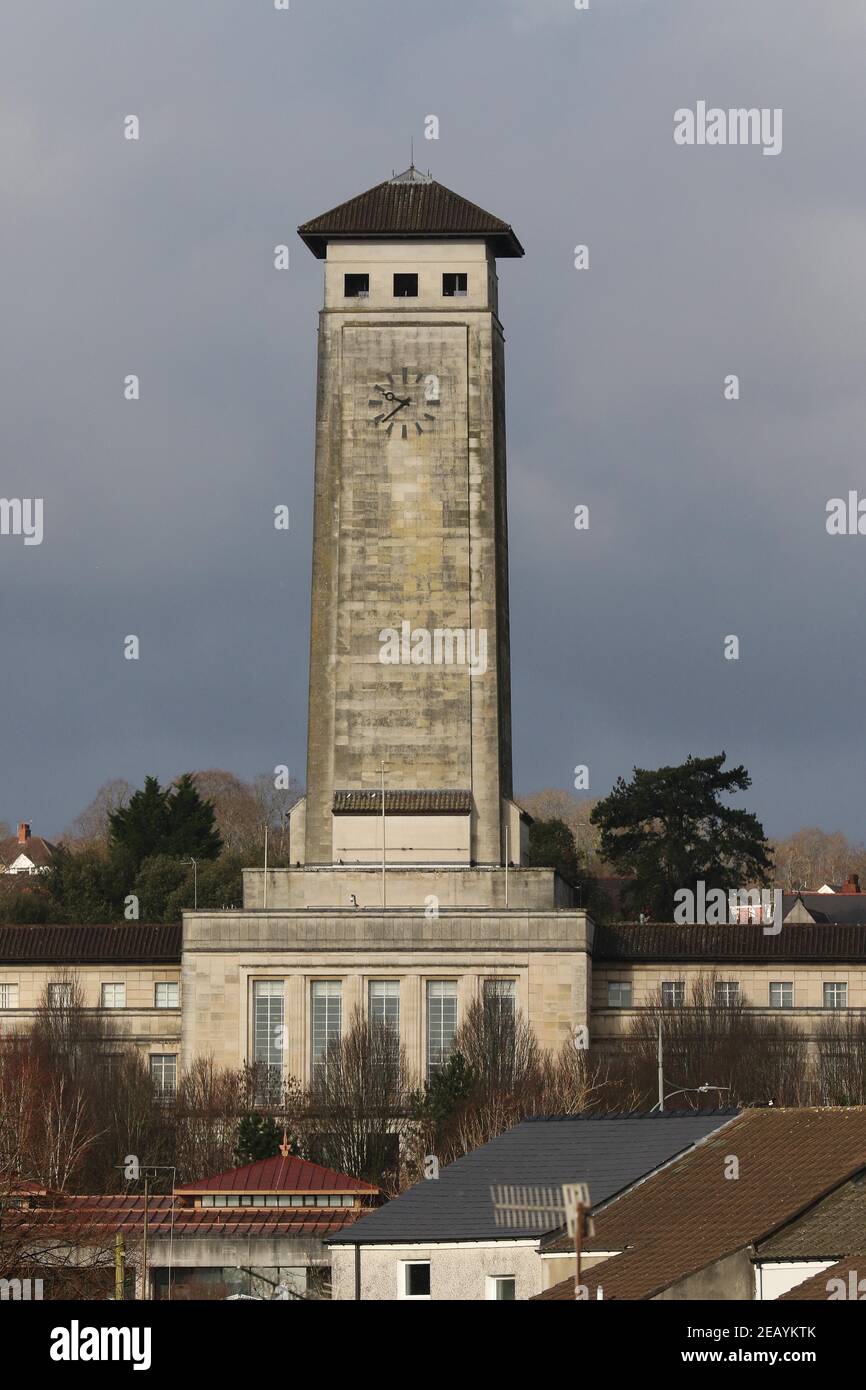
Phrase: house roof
{"type": "Point", "coordinates": [40, 852]}
{"type": "Point", "coordinates": [664, 941]}
{"type": "Point", "coordinates": [279, 1174]}
{"type": "Point", "coordinates": [166, 1218]}
{"type": "Point", "coordinates": [410, 205]}
{"type": "Point", "coordinates": [833, 1227]}
{"type": "Point", "coordinates": [689, 1215]}
{"type": "Point", "coordinates": [815, 1288]}
{"type": "Point", "coordinates": [157, 944]}
{"type": "Point", "coordinates": [403, 802]}
{"type": "Point", "coordinates": [609, 1152]}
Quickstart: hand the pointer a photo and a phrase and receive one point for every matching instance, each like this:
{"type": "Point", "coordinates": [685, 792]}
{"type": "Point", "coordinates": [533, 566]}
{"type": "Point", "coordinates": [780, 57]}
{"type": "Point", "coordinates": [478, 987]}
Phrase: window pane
{"type": "Point", "coordinates": [454, 283]}
{"type": "Point", "coordinates": [8, 996]}
{"type": "Point", "coordinates": [166, 996]}
{"type": "Point", "coordinates": [505, 1288]}
{"type": "Point", "coordinates": [356, 286]}
{"type": "Point", "coordinates": [441, 1022]}
{"type": "Point", "coordinates": [418, 1280]}
{"type": "Point", "coordinates": [163, 1071]}
{"type": "Point", "coordinates": [114, 996]}
{"type": "Point", "coordinates": [781, 994]}
{"type": "Point", "coordinates": [405, 286]}
{"type": "Point", "coordinates": [501, 995]}
{"type": "Point", "coordinates": [619, 994]}
{"type": "Point", "coordinates": [673, 993]}
{"type": "Point", "coordinates": [384, 1003]}
{"type": "Point", "coordinates": [327, 1013]}
{"type": "Point", "coordinates": [268, 1022]}
{"type": "Point", "coordinates": [836, 995]}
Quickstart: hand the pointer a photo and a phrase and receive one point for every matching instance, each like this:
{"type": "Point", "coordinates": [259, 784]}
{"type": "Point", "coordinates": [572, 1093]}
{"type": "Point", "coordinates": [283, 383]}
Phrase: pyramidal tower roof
{"type": "Point", "coordinates": [409, 205]}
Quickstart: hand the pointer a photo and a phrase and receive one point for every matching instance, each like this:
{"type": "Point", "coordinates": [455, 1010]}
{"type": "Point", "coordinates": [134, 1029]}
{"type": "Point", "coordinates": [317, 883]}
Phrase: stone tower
{"type": "Point", "coordinates": [409, 657]}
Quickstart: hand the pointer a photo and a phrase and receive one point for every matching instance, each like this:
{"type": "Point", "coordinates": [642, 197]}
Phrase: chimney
{"type": "Point", "coordinates": [851, 884]}
{"type": "Point", "coordinates": [23, 832]}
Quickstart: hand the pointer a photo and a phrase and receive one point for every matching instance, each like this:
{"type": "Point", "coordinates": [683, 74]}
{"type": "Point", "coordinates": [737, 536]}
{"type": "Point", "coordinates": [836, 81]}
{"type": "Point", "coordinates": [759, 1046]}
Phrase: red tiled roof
{"type": "Point", "coordinates": [279, 1174]}
{"type": "Point", "coordinates": [98, 1214]}
{"type": "Point", "coordinates": [689, 1215]}
{"type": "Point", "coordinates": [157, 944]}
{"type": "Point", "coordinates": [37, 850]}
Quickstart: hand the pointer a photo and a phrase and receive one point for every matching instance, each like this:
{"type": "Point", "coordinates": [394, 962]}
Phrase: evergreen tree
{"type": "Point", "coordinates": [259, 1136]}
{"type": "Point", "coordinates": [141, 828]}
{"type": "Point", "coordinates": [669, 828]}
{"type": "Point", "coordinates": [191, 825]}
{"type": "Point", "coordinates": [551, 845]}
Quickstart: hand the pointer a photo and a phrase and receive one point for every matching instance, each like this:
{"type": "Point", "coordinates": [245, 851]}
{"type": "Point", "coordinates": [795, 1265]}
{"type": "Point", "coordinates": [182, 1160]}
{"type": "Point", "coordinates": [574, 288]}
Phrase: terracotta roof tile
{"type": "Point", "coordinates": [159, 943]}
{"type": "Point", "coordinates": [668, 942]}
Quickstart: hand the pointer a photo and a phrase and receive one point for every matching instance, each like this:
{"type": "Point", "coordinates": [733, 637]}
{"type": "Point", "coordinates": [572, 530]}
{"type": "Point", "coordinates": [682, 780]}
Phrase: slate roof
{"type": "Point", "coordinates": [411, 205]}
{"type": "Point", "coordinates": [279, 1174]}
{"type": "Point", "coordinates": [409, 802]}
{"type": "Point", "coordinates": [663, 941]}
{"type": "Point", "coordinates": [689, 1215]}
{"type": "Point", "coordinates": [609, 1152]}
{"type": "Point", "coordinates": [157, 944]}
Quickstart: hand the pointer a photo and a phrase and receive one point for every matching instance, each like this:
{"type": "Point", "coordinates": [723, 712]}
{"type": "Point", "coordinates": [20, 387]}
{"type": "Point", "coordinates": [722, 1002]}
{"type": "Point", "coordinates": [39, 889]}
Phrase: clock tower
{"type": "Point", "coordinates": [409, 653]}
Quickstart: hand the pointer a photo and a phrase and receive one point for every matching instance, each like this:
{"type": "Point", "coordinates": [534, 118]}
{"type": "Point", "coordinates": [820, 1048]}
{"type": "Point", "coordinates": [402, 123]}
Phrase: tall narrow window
{"type": "Point", "coordinates": [501, 995]}
{"type": "Point", "coordinates": [327, 1017]}
{"type": "Point", "coordinates": [384, 1004]}
{"type": "Point", "coordinates": [441, 1022]}
{"type": "Point", "coordinates": [268, 1025]}
{"type": "Point", "coordinates": [163, 1074]}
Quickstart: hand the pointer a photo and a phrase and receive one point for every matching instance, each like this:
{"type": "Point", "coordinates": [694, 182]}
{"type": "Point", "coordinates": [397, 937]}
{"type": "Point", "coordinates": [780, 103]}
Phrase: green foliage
{"type": "Point", "coordinates": [85, 887]}
{"type": "Point", "coordinates": [444, 1092]}
{"type": "Point", "coordinates": [158, 822]}
{"type": "Point", "coordinates": [669, 828]}
{"type": "Point", "coordinates": [259, 1136]}
{"type": "Point", "coordinates": [551, 845]}
{"type": "Point", "coordinates": [26, 908]}
{"type": "Point", "coordinates": [191, 824]}
{"type": "Point", "coordinates": [159, 881]}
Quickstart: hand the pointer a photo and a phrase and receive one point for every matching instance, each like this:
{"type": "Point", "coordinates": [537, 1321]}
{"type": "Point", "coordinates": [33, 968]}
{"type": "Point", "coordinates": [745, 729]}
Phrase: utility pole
{"type": "Point", "coordinates": [144, 1290]}
{"type": "Point", "coordinates": [119, 1267]}
{"type": "Point", "coordinates": [661, 1071]}
{"type": "Point", "coordinates": [384, 900]}
{"type": "Point", "coordinates": [506, 863]}
{"type": "Point", "coordinates": [266, 864]}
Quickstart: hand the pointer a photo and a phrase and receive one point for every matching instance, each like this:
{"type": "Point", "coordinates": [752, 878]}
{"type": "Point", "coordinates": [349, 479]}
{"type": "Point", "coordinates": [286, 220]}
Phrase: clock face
{"type": "Point", "coordinates": [404, 403]}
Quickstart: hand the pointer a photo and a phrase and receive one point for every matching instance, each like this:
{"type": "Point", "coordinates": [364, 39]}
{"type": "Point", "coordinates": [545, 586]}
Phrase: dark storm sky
{"type": "Point", "coordinates": [155, 257]}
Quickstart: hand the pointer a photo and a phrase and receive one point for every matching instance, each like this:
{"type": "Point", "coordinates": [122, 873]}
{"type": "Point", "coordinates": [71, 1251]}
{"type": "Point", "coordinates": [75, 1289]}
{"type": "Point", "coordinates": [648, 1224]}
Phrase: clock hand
{"type": "Point", "coordinates": [396, 408]}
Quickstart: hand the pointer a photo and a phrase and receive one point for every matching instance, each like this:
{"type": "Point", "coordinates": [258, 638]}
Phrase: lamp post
{"type": "Point", "coordinates": [194, 882]}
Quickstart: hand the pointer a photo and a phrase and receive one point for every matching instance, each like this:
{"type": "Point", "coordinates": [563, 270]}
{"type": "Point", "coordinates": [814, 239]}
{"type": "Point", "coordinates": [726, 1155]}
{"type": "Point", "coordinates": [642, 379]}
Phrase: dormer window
{"type": "Point", "coordinates": [356, 286]}
{"type": "Point", "coordinates": [405, 286]}
{"type": "Point", "coordinates": [454, 284]}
